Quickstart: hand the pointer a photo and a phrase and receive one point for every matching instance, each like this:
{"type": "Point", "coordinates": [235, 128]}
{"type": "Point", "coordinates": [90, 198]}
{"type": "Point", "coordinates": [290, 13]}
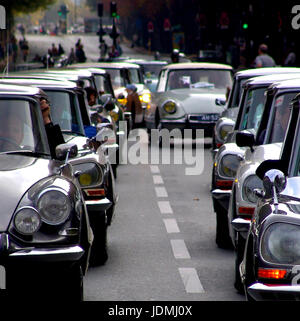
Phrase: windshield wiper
{"type": "Point", "coordinates": [26, 152]}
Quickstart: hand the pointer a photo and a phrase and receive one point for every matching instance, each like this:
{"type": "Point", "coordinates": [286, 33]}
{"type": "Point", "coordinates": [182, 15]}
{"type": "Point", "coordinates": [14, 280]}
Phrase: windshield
{"type": "Point", "coordinates": [253, 108]}
{"type": "Point", "coordinates": [116, 78]}
{"type": "Point", "coordinates": [134, 76]}
{"type": "Point", "coordinates": [236, 94]}
{"type": "Point", "coordinates": [151, 70]}
{"type": "Point", "coordinates": [21, 127]}
{"type": "Point", "coordinates": [64, 111]}
{"type": "Point", "coordinates": [102, 85]}
{"type": "Point", "coordinates": [199, 78]}
{"type": "Point", "coordinates": [282, 112]}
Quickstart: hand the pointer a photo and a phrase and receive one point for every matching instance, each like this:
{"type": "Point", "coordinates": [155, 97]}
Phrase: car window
{"type": "Point", "coordinates": [21, 127]}
{"type": "Point", "coordinates": [134, 76]}
{"type": "Point", "coordinates": [253, 108]}
{"type": "Point", "coordinates": [199, 78]}
{"type": "Point", "coordinates": [281, 117]}
{"type": "Point", "coordinates": [116, 78]}
{"type": "Point", "coordinates": [64, 111]}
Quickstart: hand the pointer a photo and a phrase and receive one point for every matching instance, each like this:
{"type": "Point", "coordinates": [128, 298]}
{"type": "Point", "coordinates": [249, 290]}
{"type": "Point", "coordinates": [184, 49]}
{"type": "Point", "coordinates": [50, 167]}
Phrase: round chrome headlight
{"type": "Point", "coordinates": [90, 174]}
{"type": "Point", "coordinates": [145, 98]}
{"type": "Point", "coordinates": [223, 131]}
{"type": "Point", "coordinates": [250, 183]}
{"type": "Point", "coordinates": [229, 165]}
{"type": "Point", "coordinates": [281, 244]}
{"type": "Point", "coordinates": [169, 107]}
{"type": "Point", "coordinates": [54, 206]}
{"type": "Point", "coordinates": [27, 221]}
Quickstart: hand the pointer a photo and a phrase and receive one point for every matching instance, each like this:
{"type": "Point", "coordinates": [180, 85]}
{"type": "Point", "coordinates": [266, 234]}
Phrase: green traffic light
{"type": "Point", "coordinates": [114, 14]}
{"type": "Point", "coordinates": [245, 26]}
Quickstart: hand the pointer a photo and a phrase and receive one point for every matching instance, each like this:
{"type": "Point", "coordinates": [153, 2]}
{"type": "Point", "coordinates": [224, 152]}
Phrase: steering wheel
{"type": "Point", "coordinates": [9, 142]}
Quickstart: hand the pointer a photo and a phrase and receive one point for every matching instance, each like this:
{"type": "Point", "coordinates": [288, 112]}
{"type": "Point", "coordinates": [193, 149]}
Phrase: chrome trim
{"type": "Point", "coordinates": [240, 224]}
{"type": "Point", "coordinates": [96, 205]}
{"type": "Point", "coordinates": [58, 251]}
{"type": "Point", "coordinates": [220, 193]}
{"type": "Point", "coordinates": [257, 290]}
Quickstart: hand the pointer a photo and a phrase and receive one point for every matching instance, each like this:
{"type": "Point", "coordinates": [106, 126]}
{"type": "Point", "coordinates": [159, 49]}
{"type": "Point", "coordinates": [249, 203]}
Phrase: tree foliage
{"type": "Point", "coordinates": [25, 6]}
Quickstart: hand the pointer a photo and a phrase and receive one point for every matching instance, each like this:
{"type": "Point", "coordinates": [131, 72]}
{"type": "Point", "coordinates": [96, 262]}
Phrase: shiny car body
{"type": "Point", "coordinates": [225, 123]}
{"type": "Point", "coordinates": [229, 156]}
{"type": "Point", "coordinates": [45, 236]}
{"type": "Point", "coordinates": [94, 169]}
{"type": "Point", "coordinates": [269, 269]}
{"type": "Point", "coordinates": [273, 127]}
{"type": "Point", "coordinates": [189, 95]}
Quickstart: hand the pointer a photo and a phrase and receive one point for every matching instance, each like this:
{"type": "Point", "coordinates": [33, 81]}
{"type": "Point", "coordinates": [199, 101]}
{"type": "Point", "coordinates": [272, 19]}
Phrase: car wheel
{"type": "Point", "coordinates": [99, 254]}
{"type": "Point", "coordinates": [223, 239]}
{"type": "Point", "coordinates": [239, 254]}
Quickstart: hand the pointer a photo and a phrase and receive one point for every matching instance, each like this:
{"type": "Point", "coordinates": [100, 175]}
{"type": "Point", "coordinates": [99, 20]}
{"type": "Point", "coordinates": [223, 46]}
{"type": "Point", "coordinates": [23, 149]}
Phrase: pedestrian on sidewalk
{"type": "Point", "coordinates": [263, 59]}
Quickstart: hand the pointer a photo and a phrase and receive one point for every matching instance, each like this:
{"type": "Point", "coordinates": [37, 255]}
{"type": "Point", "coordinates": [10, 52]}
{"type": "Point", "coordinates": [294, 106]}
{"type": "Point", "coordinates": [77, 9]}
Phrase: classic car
{"type": "Point", "coordinates": [270, 267]}
{"type": "Point", "coordinates": [97, 179]}
{"type": "Point", "coordinates": [225, 123]}
{"type": "Point", "coordinates": [45, 236]}
{"type": "Point", "coordinates": [189, 95]}
{"type": "Point", "coordinates": [229, 155]}
{"type": "Point", "coordinates": [122, 74]}
{"type": "Point", "coordinates": [150, 70]}
{"type": "Point", "coordinates": [265, 145]}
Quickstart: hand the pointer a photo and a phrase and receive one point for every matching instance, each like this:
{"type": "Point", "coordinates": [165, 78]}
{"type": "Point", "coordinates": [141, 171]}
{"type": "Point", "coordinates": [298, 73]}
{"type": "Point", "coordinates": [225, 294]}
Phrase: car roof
{"type": "Point", "coordinates": [265, 71]}
{"type": "Point", "coordinates": [269, 79]}
{"type": "Point", "coordinates": [49, 83]}
{"type": "Point", "coordinates": [112, 65]}
{"type": "Point", "coordinates": [290, 83]}
{"type": "Point", "coordinates": [147, 62]}
{"type": "Point", "coordinates": [80, 72]}
{"type": "Point", "coordinates": [93, 70]}
{"type": "Point", "coordinates": [197, 65]}
{"type": "Point", "coordinates": [12, 89]}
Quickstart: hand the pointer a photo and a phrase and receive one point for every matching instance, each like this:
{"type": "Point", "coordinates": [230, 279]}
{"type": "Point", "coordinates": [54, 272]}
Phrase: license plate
{"type": "Point", "coordinates": [206, 117]}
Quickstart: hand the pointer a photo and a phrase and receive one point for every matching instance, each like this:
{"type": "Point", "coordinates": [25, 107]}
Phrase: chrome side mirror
{"type": "Point", "coordinates": [274, 179]}
{"type": "Point", "coordinates": [66, 151]}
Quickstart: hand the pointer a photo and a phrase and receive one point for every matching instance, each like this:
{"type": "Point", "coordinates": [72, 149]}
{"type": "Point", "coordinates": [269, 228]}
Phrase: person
{"type": "Point", "coordinates": [263, 59]}
{"type": "Point", "coordinates": [25, 48]}
{"type": "Point", "coordinates": [11, 132]}
{"type": "Point", "coordinates": [103, 50]}
{"type": "Point", "coordinates": [54, 133]}
{"type": "Point", "coordinates": [175, 56]}
{"type": "Point", "coordinates": [80, 54]}
{"type": "Point", "coordinates": [133, 103]}
{"type": "Point", "coordinates": [54, 50]}
{"type": "Point", "coordinates": [71, 57]}
{"type": "Point", "coordinates": [290, 60]}
{"type": "Point", "coordinates": [61, 50]}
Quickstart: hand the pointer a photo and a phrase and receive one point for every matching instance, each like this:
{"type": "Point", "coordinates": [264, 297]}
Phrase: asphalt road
{"type": "Point", "coordinates": [162, 240]}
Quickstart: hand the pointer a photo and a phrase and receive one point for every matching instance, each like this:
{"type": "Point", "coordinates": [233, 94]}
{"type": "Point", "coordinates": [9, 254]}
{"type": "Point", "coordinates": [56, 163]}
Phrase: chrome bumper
{"type": "Point", "coordinates": [262, 292]}
{"type": "Point", "coordinates": [98, 205]}
{"type": "Point", "coordinates": [221, 194]}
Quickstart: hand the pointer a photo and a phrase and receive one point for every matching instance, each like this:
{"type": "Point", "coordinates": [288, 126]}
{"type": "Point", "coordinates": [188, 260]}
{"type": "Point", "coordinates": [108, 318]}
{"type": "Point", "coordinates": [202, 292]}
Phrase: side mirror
{"type": "Point", "coordinates": [269, 164]}
{"type": "Point", "coordinates": [274, 181]}
{"type": "Point", "coordinates": [121, 96]}
{"type": "Point", "coordinates": [245, 139]}
{"type": "Point", "coordinates": [106, 134]}
{"type": "Point", "coordinates": [220, 101]}
{"type": "Point", "coordinates": [148, 81]}
{"type": "Point", "coordinates": [66, 151]}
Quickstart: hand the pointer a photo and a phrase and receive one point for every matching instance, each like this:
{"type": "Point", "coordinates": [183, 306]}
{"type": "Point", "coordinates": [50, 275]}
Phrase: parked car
{"type": "Point", "coordinates": [45, 236]}
{"type": "Point", "coordinates": [97, 179]}
{"type": "Point", "coordinates": [270, 267]}
{"type": "Point", "coordinates": [225, 123]}
{"type": "Point", "coordinates": [266, 144]}
{"type": "Point", "coordinates": [189, 95]}
{"type": "Point", "coordinates": [229, 156]}
{"type": "Point", "coordinates": [150, 70]}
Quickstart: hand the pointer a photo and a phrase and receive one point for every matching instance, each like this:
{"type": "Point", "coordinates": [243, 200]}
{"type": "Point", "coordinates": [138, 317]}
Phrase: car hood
{"type": "Point", "coordinates": [195, 101]}
{"type": "Point", "coordinates": [230, 113]}
{"type": "Point", "coordinates": [17, 174]}
{"type": "Point", "coordinates": [263, 152]}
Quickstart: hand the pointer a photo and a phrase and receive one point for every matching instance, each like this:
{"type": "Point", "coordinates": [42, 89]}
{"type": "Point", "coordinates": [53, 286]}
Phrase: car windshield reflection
{"type": "Point", "coordinates": [21, 128]}
{"type": "Point", "coordinates": [199, 78]}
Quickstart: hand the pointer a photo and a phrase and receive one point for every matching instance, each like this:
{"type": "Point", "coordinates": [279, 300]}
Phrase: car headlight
{"type": "Point", "coordinates": [281, 244]}
{"type": "Point", "coordinates": [27, 220]}
{"type": "Point", "coordinates": [90, 174]}
{"type": "Point", "coordinates": [251, 182]}
{"type": "Point", "coordinates": [114, 116]}
{"type": "Point", "coordinates": [169, 107]}
{"type": "Point", "coordinates": [229, 165]}
{"type": "Point", "coordinates": [145, 98]}
{"type": "Point", "coordinates": [223, 131]}
{"type": "Point", "coordinates": [54, 206]}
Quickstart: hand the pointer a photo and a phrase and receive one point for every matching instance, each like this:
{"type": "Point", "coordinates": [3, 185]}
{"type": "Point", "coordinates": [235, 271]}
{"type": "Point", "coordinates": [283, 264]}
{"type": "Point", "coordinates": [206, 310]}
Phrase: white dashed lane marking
{"type": "Point", "coordinates": [161, 191]}
{"type": "Point", "coordinates": [171, 225]}
{"type": "Point", "coordinates": [180, 250]}
{"type": "Point", "coordinates": [191, 280]}
{"type": "Point", "coordinates": [165, 207]}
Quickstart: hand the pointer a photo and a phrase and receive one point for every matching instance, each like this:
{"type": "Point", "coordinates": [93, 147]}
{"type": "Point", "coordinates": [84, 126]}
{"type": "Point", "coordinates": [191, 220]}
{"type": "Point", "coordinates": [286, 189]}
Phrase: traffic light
{"type": "Point", "coordinates": [245, 25]}
{"type": "Point", "coordinates": [113, 9]}
{"type": "Point", "coordinates": [100, 9]}
{"type": "Point", "coordinates": [63, 11]}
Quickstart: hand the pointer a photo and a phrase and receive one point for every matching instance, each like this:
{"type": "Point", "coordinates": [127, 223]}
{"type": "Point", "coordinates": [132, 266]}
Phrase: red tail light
{"type": "Point", "coordinates": [224, 184]}
{"type": "Point", "coordinates": [271, 273]}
